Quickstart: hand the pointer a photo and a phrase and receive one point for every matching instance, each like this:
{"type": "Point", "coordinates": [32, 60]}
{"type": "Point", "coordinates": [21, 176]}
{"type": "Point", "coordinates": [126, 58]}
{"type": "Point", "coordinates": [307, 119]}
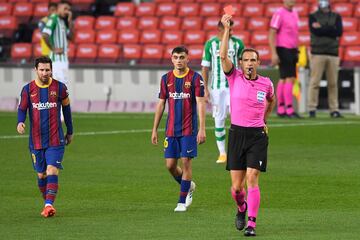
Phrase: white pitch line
{"type": "Point", "coordinates": [275, 125]}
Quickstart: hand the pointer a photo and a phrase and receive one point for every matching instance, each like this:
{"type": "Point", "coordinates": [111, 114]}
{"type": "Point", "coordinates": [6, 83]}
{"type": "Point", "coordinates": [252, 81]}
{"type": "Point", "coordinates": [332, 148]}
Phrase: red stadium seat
{"type": "Point", "coordinates": [131, 51]}
{"type": "Point", "coordinates": [204, 1]}
{"type": "Point", "coordinates": [8, 26]}
{"type": "Point", "coordinates": [148, 23]}
{"type": "Point", "coordinates": [36, 36]}
{"type": "Point", "coordinates": [189, 10]}
{"type": "Point", "coordinates": [352, 54]}
{"type": "Point", "coordinates": [170, 23]}
{"type": "Point", "coordinates": [304, 38]}
{"type": "Point", "coordinates": [253, 9]}
{"type": "Point", "coordinates": [239, 23]}
{"type": "Point", "coordinates": [344, 9]}
{"type": "Point", "coordinates": [81, 5]}
{"type": "Point", "coordinates": [106, 37]}
{"type": "Point", "coordinates": [166, 9]}
{"type": "Point", "coordinates": [41, 1]}
{"type": "Point", "coordinates": [272, 8]}
{"type": "Point", "coordinates": [264, 53]}
{"type": "Point", "coordinates": [108, 53]}
{"type": "Point", "coordinates": [210, 10]}
{"type": "Point", "coordinates": [126, 23]}
{"type": "Point", "coordinates": [185, 1]}
{"type": "Point", "coordinates": [124, 9]}
{"type": "Point", "coordinates": [71, 51]}
{"type": "Point", "coordinates": [84, 22]}
{"type": "Point", "coordinates": [40, 11]}
{"type": "Point", "coordinates": [84, 36]}
{"type": "Point", "coordinates": [195, 53]}
{"type": "Point", "coordinates": [128, 36]}
{"type": "Point", "coordinates": [152, 53]}
{"type": "Point", "coordinates": [150, 37]}
{"type": "Point", "coordinates": [244, 36]}
{"type": "Point", "coordinates": [303, 24]}
{"type": "Point", "coordinates": [350, 24]}
{"type": "Point", "coordinates": [302, 9]}
{"type": "Point", "coordinates": [258, 24]}
{"type": "Point", "coordinates": [167, 52]}
{"type": "Point", "coordinates": [5, 9]}
{"type": "Point", "coordinates": [145, 9]}
{"type": "Point", "coordinates": [36, 50]}
{"type": "Point", "coordinates": [211, 23]}
{"type": "Point", "coordinates": [86, 53]}
{"type": "Point", "coordinates": [191, 23]}
{"type": "Point", "coordinates": [21, 52]}
{"type": "Point", "coordinates": [192, 37]}
{"type": "Point", "coordinates": [228, 2]}
{"type": "Point", "coordinates": [172, 37]}
{"type": "Point", "coordinates": [105, 22]}
{"type": "Point", "coordinates": [23, 11]}
{"type": "Point", "coordinates": [163, 1]}
{"type": "Point", "coordinates": [350, 39]}
{"type": "Point", "coordinates": [357, 10]}
{"type": "Point", "coordinates": [17, 1]}
{"type": "Point", "coordinates": [260, 38]}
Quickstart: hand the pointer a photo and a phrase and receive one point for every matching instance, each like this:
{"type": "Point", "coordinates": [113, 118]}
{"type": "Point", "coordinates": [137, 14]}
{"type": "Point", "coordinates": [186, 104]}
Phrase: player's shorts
{"type": "Point", "coordinates": [220, 101]}
{"type": "Point", "coordinates": [176, 147]}
{"type": "Point", "coordinates": [288, 58]}
{"type": "Point", "coordinates": [247, 148]}
{"type": "Point", "coordinates": [48, 156]}
{"type": "Point", "coordinates": [60, 72]}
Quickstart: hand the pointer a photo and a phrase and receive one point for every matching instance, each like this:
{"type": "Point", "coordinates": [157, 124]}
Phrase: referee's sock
{"type": "Point", "coordinates": [239, 197]}
{"type": "Point", "coordinates": [289, 98]}
{"type": "Point", "coordinates": [280, 98]}
{"type": "Point", "coordinates": [253, 201]}
{"type": "Point", "coordinates": [184, 189]}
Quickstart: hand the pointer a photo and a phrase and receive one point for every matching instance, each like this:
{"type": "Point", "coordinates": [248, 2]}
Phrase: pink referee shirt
{"type": "Point", "coordinates": [286, 23]}
{"type": "Point", "coordinates": [248, 98]}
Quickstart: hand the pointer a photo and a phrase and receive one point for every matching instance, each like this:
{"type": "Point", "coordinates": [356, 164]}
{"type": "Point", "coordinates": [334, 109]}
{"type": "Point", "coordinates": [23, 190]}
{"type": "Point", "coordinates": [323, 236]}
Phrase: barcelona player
{"type": "Point", "coordinates": [43, 98]}
{"type": "Point", "coordinates": [183, 89]}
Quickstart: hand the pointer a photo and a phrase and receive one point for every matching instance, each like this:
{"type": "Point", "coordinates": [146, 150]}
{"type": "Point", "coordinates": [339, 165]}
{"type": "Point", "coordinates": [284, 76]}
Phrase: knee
{"type": "Point", "coordinates": [52, 170]}
{"type": "Point", "coordinates": [171, 167]}
{"type": "Point", "coordinates": [252, 180]}
{"type": "Point", "coordinates": [41, 175]}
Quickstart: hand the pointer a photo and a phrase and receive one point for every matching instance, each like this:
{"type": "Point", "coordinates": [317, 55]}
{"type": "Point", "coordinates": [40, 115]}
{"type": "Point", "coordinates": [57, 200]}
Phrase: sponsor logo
{"type": "Point", "coordinates": [260, 163]}
{"type": "Point", "coordinates": [189, 151]}
{"type": "Point", "coordinates": [187, 84]}
{"type": "Point", "coordinates": [170, 84]}
{"type": "Point", "coordinates": [261, 96]}
{"type": "Point", "coordinates": [43, 106]}
{"type": "Point", "coordinates": [182, 95]}
{"type": "Point", "coordinates": [58, 162]}
{"type": "Point", "coordinates": [33, 95]}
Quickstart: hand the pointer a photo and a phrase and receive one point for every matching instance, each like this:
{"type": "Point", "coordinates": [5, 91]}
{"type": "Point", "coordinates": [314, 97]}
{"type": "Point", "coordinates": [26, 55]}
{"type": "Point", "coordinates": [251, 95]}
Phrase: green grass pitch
{"type": "Point", "coordinates": [115, 185]}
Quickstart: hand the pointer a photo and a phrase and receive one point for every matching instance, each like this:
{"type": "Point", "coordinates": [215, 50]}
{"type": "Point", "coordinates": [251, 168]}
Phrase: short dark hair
{"type": "Point", "coordinates": [52, 4]}
{"type": "Point", "coordinates": [43, 59]}
{"type": "Point", "coordinates": [249, 50]}
{"type": "Point", "coordinates": [220, 25]}
{"type": "Point", "coordinates": [180, 49]}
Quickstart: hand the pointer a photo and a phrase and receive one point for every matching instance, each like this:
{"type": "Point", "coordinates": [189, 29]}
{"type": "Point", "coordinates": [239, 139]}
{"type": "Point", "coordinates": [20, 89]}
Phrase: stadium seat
{"type": "Point", "coordinates": [258, 24]}
{"type": "Point", "coordinates": [350, 24]}
{"type": "Point", "coordinates": [265, 54]}
{"type": "Point", "coordinates": [194, 37]}
{"type": "Point", "coordinates": [8, 103]}
{"type": "Point", "coordinates": [131, 51]}
{"type": "Point", "coordinates": [134, 106]}
{"type": "Point", "coordinates": [40, 11]}
{"type": "Point", "coordinates": [239, 23]}
{"type": "Point", "coordinates": [8, 26]}
{"type": "Point", "coordinates": [228, 2]}
{"type": "Point", "coordinates": [84, 22]}
{"type": "Point", "coordinates": [126, 23]}
{"type": "Point", "coordinates": [163, 1]}
{"type": "Point", "coordinates": [124, 9]}
{"type": "Point", "coordinates": [253, 9]}
{"type": "Point", "coordinates": [23, 11]}
{"type": "Point", "coordinates": [128, 36]}
{"type": "Point", "coordinates": [97, 106]}
{"type": "Point", "coordinates": [166, 9]}
{"type": "Point", "coordinates": [5, 9]}
{"type": "Point", "coordinates": [71, 51]}
{"type": "Point", "coordinates": [150, 107]}
{"type": "Point", "coordinates": [170, 23]}
{"type": "Point", "coordinates": [350, 39]}
{"type": "Point", "coordinates": [145, 9]}
{"type": "Point", "coordinates": [172, 37]}
{"type": "Point", "coordinates": [36, 50]}
{"type": "Point", "coordinates": [80, 105]}
{"type": "Point", "coordinates": [106, 36]}
{"type": "Point", "coordinates": [272, 8]}
{"type": "Point", "coordinates": [304, 24]}
{"type": "Point", "coordinates": [36, 36]}
{"type": "Point", "coordinates": [210, 10]}
{"type": "Point", "coordinates": [150, 37]}
{"type": "Point", "coordinates": [357, 11]}
{"type": "Point", "coordinates": [81, 5]}
{"type": "Point", "coordinates": [146, 23]}
{"type": "Point", "coordinates": [211, 23]}
{"type": "Point", "coordinates": [152, 53]}
{"type": "Point", "coordinates": [17, 1]}
{"type": "Point", "coordinates": [302, 9]}
{"type": "Point", "coordinates": [304, 38]}
{"type": "Point", "coordinates": [188, 10]}
{"type": "Point", "coordinates": [105, 22]}
{"type": "Point", "coordinates": [84, 36]}
{"type": "Point", "coordinates": [191, 23]}
{"type": "Point", "coordinates": [184, 1]}
{"type": "Point", "coordinates": [108, 53]}
{"type": "Point", "coordinates": [195, 53]}
{"type": "Point", "coordinates": [260, 38]}
{"type": "Point", "coordinates": [116, 106]}
{"type": "Point", "coordinates": [244, 36]}
{"type": "Point", "coordinates": [248, 1]}
{"type": "Point", "coordinates": [21, 52]}
{"type": "Point", "coordinates": [352, 54]}
{"type": "Point", "coordinates": [344, 9]}
{"type": "Point", "coordinates": [205, 1]}
{"type": "Point", "coordinates": [86, 53]}
{"type": "Point", "coordinates": [41, 1]}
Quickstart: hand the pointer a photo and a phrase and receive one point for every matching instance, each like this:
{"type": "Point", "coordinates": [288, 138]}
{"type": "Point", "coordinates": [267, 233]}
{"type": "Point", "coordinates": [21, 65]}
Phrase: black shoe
{"type": "Point", "coordinates": [336, 114]}
{"type": "Point", "coordinates": [281, 115]}
{"type": "Point", "coordinates": [250, 232]}
{"type": "Point", "coordinates": [312, 114]}
{"type": "Point", "coordinates": [240, 219]}
{"type": "Point", "coordinates": [294, 115]}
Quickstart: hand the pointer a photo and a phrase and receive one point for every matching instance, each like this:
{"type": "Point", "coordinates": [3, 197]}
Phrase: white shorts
{"type": "Point", "coordinates": [60, 72]}
{"type": "Point", "coordinates": [220, 101]}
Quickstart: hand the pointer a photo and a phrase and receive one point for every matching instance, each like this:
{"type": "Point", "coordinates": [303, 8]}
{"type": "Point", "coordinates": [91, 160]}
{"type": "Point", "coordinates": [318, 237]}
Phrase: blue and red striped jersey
{"type": "Point", "coordinates": [181, 92]}
{"type": "Point", "coordinates": [44, 105]}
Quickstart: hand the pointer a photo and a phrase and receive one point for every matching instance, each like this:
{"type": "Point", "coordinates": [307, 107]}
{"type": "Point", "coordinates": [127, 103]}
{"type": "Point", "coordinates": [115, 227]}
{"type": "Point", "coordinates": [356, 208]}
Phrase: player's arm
{"type": "Point", "coordinates": [158, 115]}
{"type": "Point", "coordinates": [205, 75]}
{"type": "Point", "coordinates": [22, 108]}
{"type": "Point", "coordinates": [48, 31]}
{"type": "Point", "coordinates": [201, 103]}
{"type": "Point", "coordinates": [205, 67]}
{"type": "Point", "coordinates": [272, 45]}
{"type": "Point", "coordinates": [269, 107]}
{"type": "Point", "coordinates": [66, 109]}
{"type": "Point", "coordinates": [226, 63]}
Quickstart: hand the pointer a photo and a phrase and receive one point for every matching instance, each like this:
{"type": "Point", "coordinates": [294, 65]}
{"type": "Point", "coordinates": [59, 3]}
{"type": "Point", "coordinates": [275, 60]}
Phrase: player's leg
{"type": "Point", "coordinates": [39, 164]}
{"type": "Point", "coordinates": [171, 154]}
{"type": "Point", "coordinates": [280, 86]}
{"type": "Point", "coordinates": [253, 199]}
{"type": "Point", "coordinates": [332, 77]}
{"type": "Point", "coordinates": [290, 75]}
{"type": "Point", "coordinates": [219, 115]}
{"type": "Point", "coordinates": [238, 193]}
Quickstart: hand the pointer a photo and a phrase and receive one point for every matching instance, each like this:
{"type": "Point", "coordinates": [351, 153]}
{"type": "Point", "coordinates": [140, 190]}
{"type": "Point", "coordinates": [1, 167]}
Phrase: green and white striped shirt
{"type": "Point", "coordinates": [211, 57]}
{"type": "Point", "coordinates": [57, 30]}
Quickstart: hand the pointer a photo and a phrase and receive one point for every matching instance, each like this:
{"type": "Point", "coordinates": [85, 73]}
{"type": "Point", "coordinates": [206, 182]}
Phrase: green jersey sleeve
{"type": "Point", "coordinates": [50, 25]}
{"type": "Point", "coordinates": [206, 59]}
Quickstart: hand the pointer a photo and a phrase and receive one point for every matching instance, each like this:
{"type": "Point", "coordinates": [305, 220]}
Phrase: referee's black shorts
{"type": "Point", "coordinates": [288, 58]}
{"type": "Point", "coordinates": [247, 148]}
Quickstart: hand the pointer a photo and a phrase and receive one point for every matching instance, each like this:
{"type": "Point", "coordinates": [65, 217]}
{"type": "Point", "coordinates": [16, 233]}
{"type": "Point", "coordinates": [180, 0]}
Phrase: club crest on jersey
{"type": "Point", "coordinates": [53, 93]}
{"type": "Point", "coordinates": [187, 84]}
{"type": "Point", "coordinates": [261, 96]}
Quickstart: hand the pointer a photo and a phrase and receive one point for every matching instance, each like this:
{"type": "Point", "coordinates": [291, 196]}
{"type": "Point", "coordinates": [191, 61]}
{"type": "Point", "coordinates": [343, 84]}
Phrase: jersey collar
{"type": "Point", "coordinates": [43, 86]}
{"type": "Point", "coordinates": [183, 75]}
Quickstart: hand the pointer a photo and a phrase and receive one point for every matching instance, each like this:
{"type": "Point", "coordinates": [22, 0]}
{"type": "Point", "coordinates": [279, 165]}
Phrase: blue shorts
{"type": "Point", "coordinates": [176, 147]}
{"type": "Point", "coordinates": [48, 156]}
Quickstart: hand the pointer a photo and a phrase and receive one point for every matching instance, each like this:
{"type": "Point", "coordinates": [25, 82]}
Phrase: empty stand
{"type": "Point", "coordinates": [191, 23]}
{"type": "Point", "coordinates": [84, 36]}
{"type": "Point", "coordinates": [194, 37]}
{"type": "Point", "coordinates": [152, 53]}
{"type": "Point", "coordinates": [126, 23]}
{"type": "Point", "coordinates": [258, 24]}
{"type": "Point", "coordinates": [124, 9]}
{"type": "Point", "coordinates": [105, 22]}
{"type": "Point", "coordinates": [5, 9]}
{"type": "Point", "coordinates": [145, 9]}
{"type": "Point", "coordinates": [131, 51]}
{"type": "Point", "coordinates": [166, 9]}
{"type": "Point", "coordinates": [188, 10]}
{"type": "Point", "coordinates": [106, 36]}
{"type": "Point", "coordinates": [150, 37]}
{"type": "Point", "coordinates": [211, 23]}
{"type": "Point", "coordinates": [350, 24]}
{"type": "Point", "coordinates": [170, 23]}
{"type": "Point", "coordinates": [21, 52]}
{"type": "Point", "coordinates": [84, 22]}
{"type": "Point", "coordinates": [253, 9]}
{"type": "Point", "coordinates": [109, 53]}
{"type": "Point", "coordinates": [350, 39]}
{"type": "Point", "coordinates": [172, 37]}
{"type": "Point", "coordinates": [210, 10]}
{"type": "Point", "coordinates": [23, 11]}
{"type": "Point", "coordinates": [148, 23]}
{"type": "Point", "coordinates": [128, 36]}
{"type": "Point", "coordinates": [86, 53]}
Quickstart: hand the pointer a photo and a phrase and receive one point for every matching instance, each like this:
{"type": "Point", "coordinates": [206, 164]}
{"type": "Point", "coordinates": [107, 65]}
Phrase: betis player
{"type": "Point", "coordinates": [43, 98]}
{"type": "Point", "coordinates": [219, 95]}
{"type": "Point", "coordinates": [183, 89]}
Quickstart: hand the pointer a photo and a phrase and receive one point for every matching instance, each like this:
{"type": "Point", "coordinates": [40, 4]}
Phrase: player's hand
{"type": "Point", "coordinates": [266, 129]}
{"type": "Point", "coordinates": [201, 136]}
{"type": "Point", "coordinates": [58, 50]}
{"type": "Point", "coordinates": [69, 18]}
{"type": "Point", "coordinates": [225, 20]}
{"type": "Point", "coordinates": [21, 128]}
{"type": "Point", "coordinates": [68, 138]}
{"type": "Point", "coordinates": [154, 137]}
{"type": "Point", "coordinates": [275, 59]}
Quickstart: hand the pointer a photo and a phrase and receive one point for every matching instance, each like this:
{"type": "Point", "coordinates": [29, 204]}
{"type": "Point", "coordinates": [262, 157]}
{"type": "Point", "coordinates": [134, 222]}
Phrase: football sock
{"type": "Point", "coordinates": [220, 135]}
{"type": "Point", "coordinates": [239, 197]}
{"type": "Point", "coordinates": [178, 178]}
{"type": "Point", "coordinates": [184, 189]}
{"type": "Point", "coordinates": [280, 98]}
{"type": "Point", "coordinates": [42, 186]}
{"type": "Point", "coordinates": [289, 98]}
{"type": "Point", "coordinates": [51, 189]}
{"type": "Point", "coordinates": [253, 201]}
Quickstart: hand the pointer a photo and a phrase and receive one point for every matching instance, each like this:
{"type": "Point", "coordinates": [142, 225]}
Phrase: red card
{"type": "Point", "coordinates": [229, 10]}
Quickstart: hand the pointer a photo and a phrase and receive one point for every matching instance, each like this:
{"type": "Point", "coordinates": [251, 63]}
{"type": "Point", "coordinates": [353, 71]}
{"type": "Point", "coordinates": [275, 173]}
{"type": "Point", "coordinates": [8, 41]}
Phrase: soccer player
{"type": "Point", "coordinates": [184, 90]}
{"type": "Point", "coordinates": [43, 98]}
{"type": "Point", "coordinates": [220, 99]}
{"type": "Point", "coordinates": [56, 33]}
{"type": "Point", "coordinates": [283, 41]}
{"type": "Point", "coordinates": [251, 100]}
{"type": "Point", "coordinates": [42, 23]}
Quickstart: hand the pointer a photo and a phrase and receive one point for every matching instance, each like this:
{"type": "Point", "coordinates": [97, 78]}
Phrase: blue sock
{"type": "Point", "coordinates": [51, 189]}
{"type": "Point", "coordinates": [184, 189]}
{"type": "Point", "coordinates": [178, 178]}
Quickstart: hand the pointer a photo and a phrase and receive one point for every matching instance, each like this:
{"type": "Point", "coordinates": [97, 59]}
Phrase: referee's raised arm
{"type": "Point", "coordinates": [226, 63]}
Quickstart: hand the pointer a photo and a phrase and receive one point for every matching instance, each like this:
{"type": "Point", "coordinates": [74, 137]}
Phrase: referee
{"type": "Point", "coordinates": [252, 100]}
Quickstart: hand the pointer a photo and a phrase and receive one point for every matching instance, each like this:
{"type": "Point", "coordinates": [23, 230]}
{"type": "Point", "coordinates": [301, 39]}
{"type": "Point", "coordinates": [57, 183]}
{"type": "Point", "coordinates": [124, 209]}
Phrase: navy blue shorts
{"type": "Point", "coordinates": [176, 147]}
{"type": "Point", "coordinates": [49, 156]}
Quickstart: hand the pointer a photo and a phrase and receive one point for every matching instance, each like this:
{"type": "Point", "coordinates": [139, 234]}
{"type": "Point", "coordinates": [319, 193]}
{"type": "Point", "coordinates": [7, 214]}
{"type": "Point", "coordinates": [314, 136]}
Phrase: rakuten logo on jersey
{"type": "Point", "coordinates": [176, 95]}
{"type": "Point", "coordinates": [43, 106]}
